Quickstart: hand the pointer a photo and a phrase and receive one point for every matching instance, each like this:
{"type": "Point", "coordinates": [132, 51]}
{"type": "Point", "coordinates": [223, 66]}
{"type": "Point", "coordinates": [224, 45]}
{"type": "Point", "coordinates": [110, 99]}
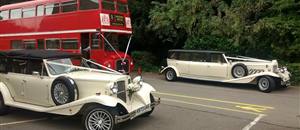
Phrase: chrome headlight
{"type": "Point", "coordinates": [138, 81]}
{"type": "Point", "coordinates": [282, 70]}
{"type": "Point", "coordinates": [114, 88]}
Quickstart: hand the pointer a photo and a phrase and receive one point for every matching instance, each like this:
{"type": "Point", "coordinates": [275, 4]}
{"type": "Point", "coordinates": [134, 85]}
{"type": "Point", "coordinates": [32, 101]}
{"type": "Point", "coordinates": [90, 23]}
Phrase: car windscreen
{"type": "Point", "coordinates": [59, 66]}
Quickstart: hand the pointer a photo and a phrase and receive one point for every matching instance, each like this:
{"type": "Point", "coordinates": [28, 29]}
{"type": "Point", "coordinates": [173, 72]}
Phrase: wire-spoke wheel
{"type": "Point", "coordinates": [266, 84]}
{"type": "Point", "coordinates": [61, 93]}
{"type": "Point", "coordinates": [64, 90]}
{"type": "Point", "coordinates": [99, 119]}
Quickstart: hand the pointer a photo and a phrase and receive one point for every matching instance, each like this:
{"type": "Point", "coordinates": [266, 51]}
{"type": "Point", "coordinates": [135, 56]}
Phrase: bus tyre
{"type": "Point", "coordinates": [97, 117]}
{"type": "Point", "coordinates": [170, 75]}
{"type": "Point", "coordinates": [63, 90]}
{"type": "Point", "coordinates": [152, 109]}
{"type": "Point", "coordinates": [3, 108]}
{"type": "Point", "coordinates": [239, 71]}
{"type": "Point", "coordinates": [266, 84]}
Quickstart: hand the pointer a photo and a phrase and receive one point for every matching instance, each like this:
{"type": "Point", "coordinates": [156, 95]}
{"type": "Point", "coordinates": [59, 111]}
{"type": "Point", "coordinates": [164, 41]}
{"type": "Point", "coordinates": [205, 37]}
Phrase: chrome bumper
{"type": "Point", "coordinates": [132, 115]}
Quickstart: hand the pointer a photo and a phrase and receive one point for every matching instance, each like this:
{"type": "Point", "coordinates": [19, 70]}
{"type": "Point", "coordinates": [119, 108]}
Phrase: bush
{"type": "Point", "coordinates": [146, 60]}
{"type": "Point", "coordinates": [294, 68]}
{"type": "Point", "coordinates": [210, 43]}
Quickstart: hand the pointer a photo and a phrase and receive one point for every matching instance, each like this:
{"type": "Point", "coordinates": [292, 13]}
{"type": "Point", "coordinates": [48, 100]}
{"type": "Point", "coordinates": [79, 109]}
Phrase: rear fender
{"type": "Point", "coordinates": [170, 67]}
{"type": "Point", "coordinates": [6, 94]}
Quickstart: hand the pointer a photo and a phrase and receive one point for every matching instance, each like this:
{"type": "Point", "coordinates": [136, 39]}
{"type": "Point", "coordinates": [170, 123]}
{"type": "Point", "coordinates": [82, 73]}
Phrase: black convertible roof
{"type": "Point", "coordinates": [37, 54]}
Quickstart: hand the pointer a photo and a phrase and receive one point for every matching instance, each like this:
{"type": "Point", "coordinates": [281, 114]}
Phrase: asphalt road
{"type": "Point", "coordinates": [190, 105]}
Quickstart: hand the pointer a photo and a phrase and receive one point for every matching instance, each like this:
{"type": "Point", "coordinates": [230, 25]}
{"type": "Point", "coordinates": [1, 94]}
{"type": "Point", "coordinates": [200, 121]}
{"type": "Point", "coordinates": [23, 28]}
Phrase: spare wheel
{"type": "Point", "coordinates": [239, 71]}
{"type": "Point", "coordinates": [64, 90]}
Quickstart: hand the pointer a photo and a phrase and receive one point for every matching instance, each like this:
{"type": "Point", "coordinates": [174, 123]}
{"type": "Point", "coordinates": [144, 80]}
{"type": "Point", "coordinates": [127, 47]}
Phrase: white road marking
{"type": "Point", "coordinates": [248, 127]}
{"type": "Point", "coordinates": [25, 121]}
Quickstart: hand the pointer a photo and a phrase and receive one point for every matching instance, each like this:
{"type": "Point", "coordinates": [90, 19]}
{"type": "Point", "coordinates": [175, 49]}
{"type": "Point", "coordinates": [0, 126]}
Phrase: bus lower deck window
{"type": "Point", "coordinates": [69, 44]}
{"type": "Point", "coordinates": [16, 44]}
{"type": "Point", "coordinates": [30, 44]}
{"type": "Point", "coordinates": [53, 44]}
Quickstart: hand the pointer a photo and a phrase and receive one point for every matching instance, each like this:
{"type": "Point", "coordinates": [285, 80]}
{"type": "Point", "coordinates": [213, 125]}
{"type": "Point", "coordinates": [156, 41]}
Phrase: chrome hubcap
{"type": "Point", "coordinates": [61, 93]}
{"type": "Point", "coordinates": [99, 120]}
{"type": "Point", "coordinates": [239, 72]}
{"type": "Point", "coordinates": [263, 84]}
{"type": "Point", "coordinates": [170, 75]}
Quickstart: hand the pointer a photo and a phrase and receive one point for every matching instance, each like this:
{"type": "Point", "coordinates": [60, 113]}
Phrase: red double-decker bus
{"type": "Point", "coordinates": [93, 28]}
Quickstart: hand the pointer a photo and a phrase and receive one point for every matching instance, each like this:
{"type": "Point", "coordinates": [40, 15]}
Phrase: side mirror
{"type": "Point", "coordinates": [35, 73]}
{"type": "Point", "coordinates": [230, 61]}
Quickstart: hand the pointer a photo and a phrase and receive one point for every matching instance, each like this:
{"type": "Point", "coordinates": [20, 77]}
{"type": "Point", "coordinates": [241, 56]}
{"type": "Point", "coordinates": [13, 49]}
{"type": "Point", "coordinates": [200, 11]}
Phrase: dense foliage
{"type": "Point", "coordinates": [267, 29]}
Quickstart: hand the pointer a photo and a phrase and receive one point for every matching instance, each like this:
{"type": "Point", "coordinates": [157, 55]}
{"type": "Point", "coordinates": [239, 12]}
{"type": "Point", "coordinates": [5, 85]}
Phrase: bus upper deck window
{"type": "Point", "coordinates": [69, 6]}
{"type": "Point", "coordinates": [122, 7]}
{"type": "Point", "coordinates": [108, 5]}
{"type": "Point", "coordinates": [4, 15]}
{"type": "Point", "coordinates": [28, 12]}
{"type": "Point", "coordinates": [52, 9]}
{"type": "Point", "coordinates": [89, 4]}
{"type": "Point", "coordinates": [15, 13]}
{"type": "Point", "coordinates": [40, 10]}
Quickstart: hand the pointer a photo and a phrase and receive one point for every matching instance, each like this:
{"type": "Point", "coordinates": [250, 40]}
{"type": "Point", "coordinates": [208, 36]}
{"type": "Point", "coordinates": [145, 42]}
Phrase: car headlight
{"type": "Point", "coordinates": [114, 88]}
{"type": "Point", "coordinates": [138, 81]}
{"type": "Point", "coordinates": [282, 70]}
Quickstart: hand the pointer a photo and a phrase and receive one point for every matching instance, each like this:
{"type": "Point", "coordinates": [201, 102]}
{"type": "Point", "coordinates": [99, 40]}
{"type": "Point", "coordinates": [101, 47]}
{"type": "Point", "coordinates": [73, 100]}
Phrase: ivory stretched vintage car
{"type": "Point", "coordinates": [216, 66]}
{"type": "Point", "coordinates": [46, 81]}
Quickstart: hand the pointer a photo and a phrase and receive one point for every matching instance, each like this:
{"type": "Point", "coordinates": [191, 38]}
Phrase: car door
{"type": "Point", "coordinates": [14, 79]}
{"type": "Point", "coordinates": [198, 65]}
{"type": "Point", "coordinates": [217, 67]}
{"type": "Point", "coordinates": [182, 64]}
{"type": "Point", "coordinates": [37, 84]}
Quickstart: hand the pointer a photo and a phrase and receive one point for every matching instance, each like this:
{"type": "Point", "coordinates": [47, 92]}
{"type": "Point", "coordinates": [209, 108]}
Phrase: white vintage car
{"type": "Point", "coordinates": [47, 81]}
{"type": "Point", "coordinates": [216, 66]}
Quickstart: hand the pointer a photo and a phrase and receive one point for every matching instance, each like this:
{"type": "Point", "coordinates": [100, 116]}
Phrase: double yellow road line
{"type": "Point", "coordinates": [240, 107]}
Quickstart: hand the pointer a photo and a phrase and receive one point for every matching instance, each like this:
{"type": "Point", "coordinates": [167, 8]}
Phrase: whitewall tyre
{"type": "Point", "coordinates": [266, 84]}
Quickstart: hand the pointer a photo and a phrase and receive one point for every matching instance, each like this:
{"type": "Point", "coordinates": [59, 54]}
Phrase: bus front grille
{"type": "Point", "coordinates": [122, 66]}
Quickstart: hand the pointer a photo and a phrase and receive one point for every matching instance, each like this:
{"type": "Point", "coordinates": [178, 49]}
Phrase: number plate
{"type": "Point", "coordinates": [142, 110]}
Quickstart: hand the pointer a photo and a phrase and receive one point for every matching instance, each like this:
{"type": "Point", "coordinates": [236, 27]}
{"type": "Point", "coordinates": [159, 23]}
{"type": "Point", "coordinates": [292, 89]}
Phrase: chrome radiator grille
{"type": "Point", "coordinates": [121, 90]}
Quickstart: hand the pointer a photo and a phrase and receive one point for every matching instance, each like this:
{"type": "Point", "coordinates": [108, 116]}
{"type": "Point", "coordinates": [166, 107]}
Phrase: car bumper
{"type": "Point", "coordinates": [136, 113]}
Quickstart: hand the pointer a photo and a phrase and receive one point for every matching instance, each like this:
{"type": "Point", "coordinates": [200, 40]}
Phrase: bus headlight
{"type": "Point", "coordinates": [114, 88]}
{"type": "Point", "coordinates": [108, 65]}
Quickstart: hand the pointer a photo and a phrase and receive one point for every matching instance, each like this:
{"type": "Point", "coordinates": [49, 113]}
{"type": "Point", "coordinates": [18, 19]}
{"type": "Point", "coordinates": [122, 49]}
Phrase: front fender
{"type": "Point", "coordinates": [252, 78]}
{"type": "Point", "coordinates": [170, 67]}
{"type": "Point", "coordinates": [75, 106]}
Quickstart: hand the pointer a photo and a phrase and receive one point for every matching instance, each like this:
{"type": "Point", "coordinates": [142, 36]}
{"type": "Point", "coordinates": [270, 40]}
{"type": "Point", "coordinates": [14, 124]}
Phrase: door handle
{"type": "Point", "coordinates": [24, 81]}
{"type": "Point", "coordinates": [7, 79]}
